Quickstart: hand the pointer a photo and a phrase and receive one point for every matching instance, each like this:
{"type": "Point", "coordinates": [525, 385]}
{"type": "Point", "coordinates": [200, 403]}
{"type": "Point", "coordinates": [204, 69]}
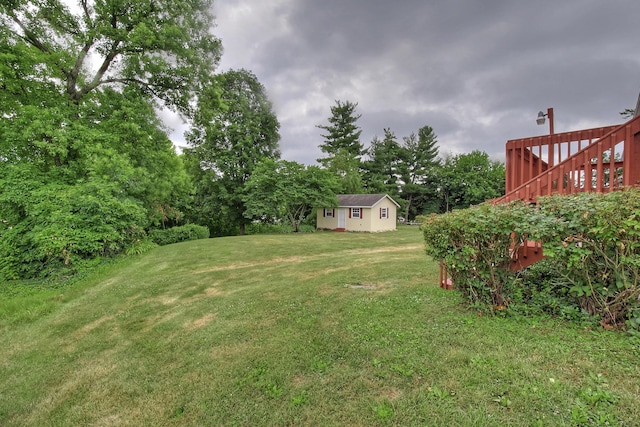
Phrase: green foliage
{"type": "Point", "coordinates": [628, 113]}
{"type": "Point", "coordinates": [178, 234]}
{"type": "Point", "coordinates": [383, 411]}
{"type": "Point", "coordinates": [469, 179]}
{"type": "Point", "coordinates": [418, 174]}
{"type": "Point", "coordinates": [68, 169]}
{"type": "Point", "coordinates": [143, 44]}
{"type": "Point", "coordinates": [343, 147]}
{"type": "Point", "coordinates": [346, 168]}
{"type": "Point", "coordinates": [476, 244]}
{"type": "Point", "coordinates": [140, 247]}
{"type": "Point", "coordinates": [343, 134]}
{"type": "Point", "coordinates": [595, 405]}
{"type": "Point", "coordinates": [595, 238]}
{"type": "Point", "coordinates": [285, 190]}
{"type": "Point", "coordinates": [87, 165]}
{"type": "Point", "coordinates": [227, 142]}
{"type": "Point", "coordinates": [539, 290]}
{"type": "Point", "coordinates": [385, 165]}
{"type": "Point", "coordinates": [592, 242]}
{"type": "Point", "coordinates": [53, 229]}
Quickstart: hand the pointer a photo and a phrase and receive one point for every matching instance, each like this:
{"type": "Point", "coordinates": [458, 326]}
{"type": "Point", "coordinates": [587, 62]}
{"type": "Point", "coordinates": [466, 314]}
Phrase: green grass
{"type": "Point", "coordinates": [326, 329]}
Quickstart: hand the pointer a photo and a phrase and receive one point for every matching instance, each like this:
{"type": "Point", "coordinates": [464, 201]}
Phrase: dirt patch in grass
{"type": "Point", "coordinates": [170, 300]}
{"type": "Point", "coordinates": [392, 394]}
{"type": "Point", "coordinates": [333, 270]}
{"type": "Point", "coordinates": [360, 286]}
{"type": "Point", "coordinates": [201, 322]}
{"type": "Point", "coordinates": [242, 265]}
{"type": "Point", "coordinates": [406, 248]}
{"type": "Point", "coordinates": [301, 259]}
{"type": "Point", "coordinates": [167, 299]}
{"type": "Point", "coordinates": [231, 351]}
{"type": "Point", "coordinates": [213, 292]}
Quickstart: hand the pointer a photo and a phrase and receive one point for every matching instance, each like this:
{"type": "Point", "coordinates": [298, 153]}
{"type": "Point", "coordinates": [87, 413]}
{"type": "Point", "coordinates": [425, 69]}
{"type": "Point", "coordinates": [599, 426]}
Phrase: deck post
{"type": "Point", "coordinates": [631, 161]}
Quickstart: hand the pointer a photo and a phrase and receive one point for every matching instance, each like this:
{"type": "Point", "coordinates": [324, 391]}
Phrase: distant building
{"type": "Point", "coordinates": [360, 212]}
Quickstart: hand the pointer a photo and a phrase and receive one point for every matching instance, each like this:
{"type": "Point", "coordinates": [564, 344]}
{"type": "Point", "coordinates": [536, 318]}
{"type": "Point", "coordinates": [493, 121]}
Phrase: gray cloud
{"type": "Point", "coordinates": [477, 72]}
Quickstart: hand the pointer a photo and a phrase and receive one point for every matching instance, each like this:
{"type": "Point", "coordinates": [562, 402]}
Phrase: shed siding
{"type": "Point", "coordinates": [327, 223]}
{"type": "Point", "coordinates": [385, 224]}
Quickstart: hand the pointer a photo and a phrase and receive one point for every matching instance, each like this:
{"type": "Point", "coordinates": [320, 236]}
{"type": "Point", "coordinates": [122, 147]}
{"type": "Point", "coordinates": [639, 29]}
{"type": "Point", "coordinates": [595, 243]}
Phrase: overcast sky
{"type": "Point", "coordinates": [477, 72]}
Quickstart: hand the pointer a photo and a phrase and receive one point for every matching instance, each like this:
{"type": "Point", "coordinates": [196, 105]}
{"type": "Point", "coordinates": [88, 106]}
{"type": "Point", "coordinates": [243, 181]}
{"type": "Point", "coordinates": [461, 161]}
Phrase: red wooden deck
{"type": "Point", "coordinates": [592, 160]}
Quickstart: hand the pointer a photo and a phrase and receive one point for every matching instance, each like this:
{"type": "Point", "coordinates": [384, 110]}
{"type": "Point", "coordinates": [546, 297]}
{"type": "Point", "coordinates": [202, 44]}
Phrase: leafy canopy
{"type": "Point", "coordinates": [163, 47]}
{"type": "Point", "coordinates": [86, 164]}
{"type": "Point", "coordinates": [229, 140]}
{"type": "Point", "coordinates": [289, 190]}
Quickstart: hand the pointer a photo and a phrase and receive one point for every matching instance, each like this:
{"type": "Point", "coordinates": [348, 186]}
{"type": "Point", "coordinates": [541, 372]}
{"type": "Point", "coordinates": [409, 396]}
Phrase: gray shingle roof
{"type": "Point", "coordinates": [361, 200]}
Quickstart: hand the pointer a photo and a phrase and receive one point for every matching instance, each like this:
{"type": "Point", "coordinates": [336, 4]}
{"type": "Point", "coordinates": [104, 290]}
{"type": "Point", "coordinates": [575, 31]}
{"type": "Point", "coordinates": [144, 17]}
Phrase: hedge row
{"type": "Point", "coordinates": [592, 244]}
{"type": "Point", "coordinates": [178, 234]}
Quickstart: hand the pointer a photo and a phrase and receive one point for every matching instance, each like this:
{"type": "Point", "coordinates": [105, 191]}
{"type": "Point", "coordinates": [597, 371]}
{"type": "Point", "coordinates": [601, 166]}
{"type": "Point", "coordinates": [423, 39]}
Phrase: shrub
{"type": "Point", "coordinates": [595, 238]}
{"type": "Point", "coordinates": [264, 228]}
{"type": "Point", "coordinates": [178, 234]}
{"type": "Point", "coordinates": [58, 230]}
{"type": "Point", "coordinates": [592, 242]}
{"type": "Point", "coordinates": [475, 245]}
{"type": "Point", "coordinates": [421, 219]}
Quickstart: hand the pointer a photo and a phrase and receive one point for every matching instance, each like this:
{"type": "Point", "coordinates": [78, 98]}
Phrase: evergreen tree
{"type": "Point", "coordinates": [421, 160]}
{"type": "Point", "coordinates": [342, 146]}
{"type": "Point", "coordinates": [384, 167]}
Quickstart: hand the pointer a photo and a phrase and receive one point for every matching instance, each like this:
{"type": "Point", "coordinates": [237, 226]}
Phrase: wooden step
{"type": "Point", "coordinates": [527, 254]}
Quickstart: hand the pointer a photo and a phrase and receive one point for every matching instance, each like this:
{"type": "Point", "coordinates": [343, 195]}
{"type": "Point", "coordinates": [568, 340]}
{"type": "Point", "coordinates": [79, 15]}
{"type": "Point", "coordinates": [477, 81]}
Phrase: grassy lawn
{"type": "Point", "coordinates": [323, 329]}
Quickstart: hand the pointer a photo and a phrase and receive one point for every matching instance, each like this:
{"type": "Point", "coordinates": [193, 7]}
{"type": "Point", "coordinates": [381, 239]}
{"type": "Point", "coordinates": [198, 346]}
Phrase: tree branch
{"type": "Point", "coordinates": [85, 9]}
{"type": "Point", "coordinates": [29, 36]}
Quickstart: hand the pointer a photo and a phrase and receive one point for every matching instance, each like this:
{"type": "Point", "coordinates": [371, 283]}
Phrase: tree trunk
{"type": "Point", "coordinates": [406, 211]}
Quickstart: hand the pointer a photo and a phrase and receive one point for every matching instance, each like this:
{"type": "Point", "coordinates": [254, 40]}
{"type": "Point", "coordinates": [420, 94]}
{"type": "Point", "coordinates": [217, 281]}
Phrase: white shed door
{"type": "Point", "coordinates": [342, 218]}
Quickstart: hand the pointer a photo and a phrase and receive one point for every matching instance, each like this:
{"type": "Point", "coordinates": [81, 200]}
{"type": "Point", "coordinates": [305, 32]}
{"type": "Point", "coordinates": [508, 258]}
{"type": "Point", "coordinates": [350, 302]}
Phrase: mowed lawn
{"type": "Point", "coordinates": [322, 329]}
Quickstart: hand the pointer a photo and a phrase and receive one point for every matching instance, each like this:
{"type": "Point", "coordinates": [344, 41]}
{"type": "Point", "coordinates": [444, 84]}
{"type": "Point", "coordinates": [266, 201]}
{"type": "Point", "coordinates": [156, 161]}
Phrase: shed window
{"type": "Point", "coordinates": [328, 212]}
{"type": "Point", "coordinates": [356, 213]}
{"type": "Point", "coordinates": [384, 213]}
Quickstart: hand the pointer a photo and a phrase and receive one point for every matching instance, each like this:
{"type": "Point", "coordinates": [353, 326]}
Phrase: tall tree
{"type": "Point", "coordinates": [384, 165]}
{"type": "Point", "coordinates": [289, 190]}
{"type": "Point", "coordinates": [347, 168]}
{"type": "Point", "coordinates": [421, 160]}
{"type": "Point", "coordinates": [342, 145]}
{"type": "Point", "coordinates": [470, 179]}
{"type": "Point", "coordinates": [163, 47]}
{"type": "Point", "coordinates": [79, 137]}
{"type": "Point", "coordinates": [231, 139]}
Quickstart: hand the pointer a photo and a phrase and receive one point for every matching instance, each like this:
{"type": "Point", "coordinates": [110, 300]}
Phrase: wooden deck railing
{"type": "Point", "coordinates": [592, 160]}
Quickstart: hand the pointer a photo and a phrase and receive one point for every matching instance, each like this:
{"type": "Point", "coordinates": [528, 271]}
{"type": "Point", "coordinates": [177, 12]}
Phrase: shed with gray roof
{"type": "Point", "coordinates": [360, 212]}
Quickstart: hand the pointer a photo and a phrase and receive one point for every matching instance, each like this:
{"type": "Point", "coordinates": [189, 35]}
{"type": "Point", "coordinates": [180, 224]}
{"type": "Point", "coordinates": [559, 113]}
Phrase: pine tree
{"type": "Point", "coordinates": [342, 136]}
{"type": "Point", "coordinates": [343, 147]}
{"type": "Point", "coordinates": [420, 162]}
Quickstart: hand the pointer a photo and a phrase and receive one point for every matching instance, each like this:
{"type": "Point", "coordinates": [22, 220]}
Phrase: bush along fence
{"type": "Point", "coordinates": [591, 241]}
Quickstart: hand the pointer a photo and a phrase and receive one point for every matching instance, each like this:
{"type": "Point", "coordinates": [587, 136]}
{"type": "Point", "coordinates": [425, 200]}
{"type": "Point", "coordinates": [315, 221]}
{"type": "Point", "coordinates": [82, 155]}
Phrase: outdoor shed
{"type": "Point", "coordinates": [360, 212]}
